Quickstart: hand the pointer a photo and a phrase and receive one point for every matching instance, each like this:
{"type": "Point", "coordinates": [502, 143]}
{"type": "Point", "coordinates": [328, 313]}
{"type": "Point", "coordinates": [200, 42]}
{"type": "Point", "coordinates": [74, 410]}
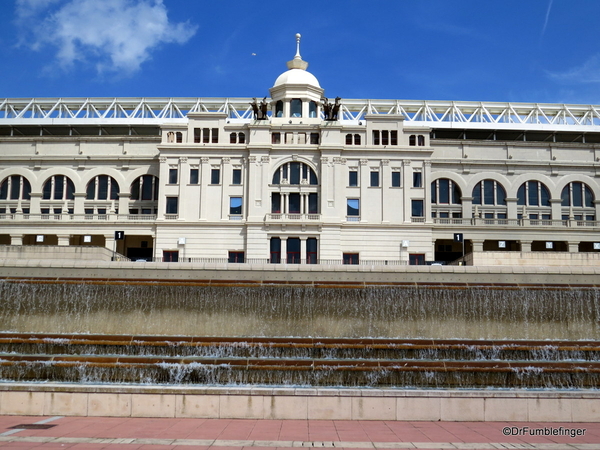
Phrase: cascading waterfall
{"type": "Point", "coordinates": [398, 312]}
{"type": "Point", "coordinates": [413, 336]}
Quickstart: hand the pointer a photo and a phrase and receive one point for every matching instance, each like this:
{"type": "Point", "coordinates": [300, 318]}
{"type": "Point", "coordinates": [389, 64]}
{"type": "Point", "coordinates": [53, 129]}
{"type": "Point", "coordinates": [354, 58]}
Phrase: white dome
{"type": "Point", "coordinates": [297, 76]}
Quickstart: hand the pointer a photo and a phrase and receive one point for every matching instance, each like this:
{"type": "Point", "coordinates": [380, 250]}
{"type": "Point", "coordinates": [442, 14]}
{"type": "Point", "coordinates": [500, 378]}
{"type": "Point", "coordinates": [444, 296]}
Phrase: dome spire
{"type": "Point", "coordinates": [297, 62]}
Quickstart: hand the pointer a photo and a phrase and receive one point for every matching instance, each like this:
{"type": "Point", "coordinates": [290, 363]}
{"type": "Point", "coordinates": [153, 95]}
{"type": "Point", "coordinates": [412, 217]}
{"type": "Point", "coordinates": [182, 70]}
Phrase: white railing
{"type": "Point", "coordinates": [283, 262]}
{"type": "Point", "coordinates": [292, 216]}
{"type": "Point", "coordinates": [79, 217]}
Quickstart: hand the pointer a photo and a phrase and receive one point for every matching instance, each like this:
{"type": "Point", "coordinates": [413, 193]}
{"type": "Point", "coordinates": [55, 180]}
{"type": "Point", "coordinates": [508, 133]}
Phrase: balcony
{"type": "Point", "coordinates": [18, 217]}
{"type": "Point", "coordinates": [526, 223]}
{"type": "Point", "coordinates": [292, 217]}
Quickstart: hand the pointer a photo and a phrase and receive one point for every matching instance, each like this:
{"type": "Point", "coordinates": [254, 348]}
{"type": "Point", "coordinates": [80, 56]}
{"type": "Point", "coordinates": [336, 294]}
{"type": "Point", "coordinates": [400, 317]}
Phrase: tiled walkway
{"type": "Point", "coordinates": [112, 433]}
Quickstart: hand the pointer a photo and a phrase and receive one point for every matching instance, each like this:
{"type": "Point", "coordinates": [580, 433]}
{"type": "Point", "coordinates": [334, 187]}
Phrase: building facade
{"type": "Point", "coordinates": [299, 179]}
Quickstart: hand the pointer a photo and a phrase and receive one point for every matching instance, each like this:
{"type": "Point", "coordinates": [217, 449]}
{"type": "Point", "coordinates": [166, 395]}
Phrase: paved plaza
{"type": "Point", "coordinates": [111, 433]}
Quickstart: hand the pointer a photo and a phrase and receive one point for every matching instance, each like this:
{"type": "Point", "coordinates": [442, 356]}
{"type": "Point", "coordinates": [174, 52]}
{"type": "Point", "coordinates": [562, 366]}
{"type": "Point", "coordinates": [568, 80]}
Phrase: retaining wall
{"type": "Point", "coordinates": [299, 403]}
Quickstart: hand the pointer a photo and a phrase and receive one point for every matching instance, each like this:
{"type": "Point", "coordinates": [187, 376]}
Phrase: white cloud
{"type": "Point", "coordinates": [588, 72]}
{"type": "Point", "coordinates": [116, 35]}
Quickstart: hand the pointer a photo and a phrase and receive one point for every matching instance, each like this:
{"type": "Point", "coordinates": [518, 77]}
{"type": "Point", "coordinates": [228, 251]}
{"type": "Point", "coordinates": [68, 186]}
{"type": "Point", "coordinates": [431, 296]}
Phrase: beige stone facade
{"type": "Point", "coordinates": [372, 182]}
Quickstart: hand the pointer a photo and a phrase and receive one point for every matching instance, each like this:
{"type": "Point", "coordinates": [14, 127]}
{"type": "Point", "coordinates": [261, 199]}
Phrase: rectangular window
{"type": "Point", "coordinates": [293, 250]}
{"type": "Point", "coordinates": [173, 176]}
{"type": "Point", "coordinates": [314, 138]}
{"type": "Point", "coordinates": [417, 179]}
{"type": "Point", "coordinates": [172, 205]}
{"type": "Point", "coordinates": [416, 259]}
{"type": "Point", "coordinates": [350, 258]}
{"type": "Point", "coordinates": [205, 135]}
{"type": "Point", "coordinates": [237, 176]}
{"type": "Point", "coordinates": [417, 208]}
{"type": "Point", "coordinates": [170, 255]}
{"type": "Point", "coordinates": [353, 178]}
{"type": "Point", "coordinates": [275, 250]}
{"type": "Point", "coordinates": [394, 137]}
{"type": "Point", "coordinates": [311, 251]}
{"type": "Point", "coordinates": [276, 138]}
{"type": "Point", "coordinates": [194, 176]}
{"type": "Point", "coordinates": [197, 135]}
{"type": "Point", "coordinates": [215, 136]}
{"type": "Point", "coordinates": [353, 207]}
{"type": "Point", "coordinates": [313, 203]}
{"type": "Point", "coordinates": [395, 179]}
{"type": "Point", "coordinates": [236, 257]}
{"type": "Point", "coordinates": [275, 203]}
{"type": "Point", "coordinates": [294, 203]}
{"type": "Point", "coordinates": [375, 137]}
{"type": "Point", "coordinates": [235, 205]}
{"type": "Point", "coordinates": [215, 176]}
{"type": "Point", "coordinates": [374, 178]}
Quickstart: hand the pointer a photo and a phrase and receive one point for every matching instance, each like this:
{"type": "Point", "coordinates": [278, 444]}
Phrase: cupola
{"type": "Point", "coordinates": [296, 93]}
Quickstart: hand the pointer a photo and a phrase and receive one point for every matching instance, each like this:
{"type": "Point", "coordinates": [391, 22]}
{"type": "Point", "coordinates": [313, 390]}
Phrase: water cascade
{"type": "Point", "coordinates": [417, 336]}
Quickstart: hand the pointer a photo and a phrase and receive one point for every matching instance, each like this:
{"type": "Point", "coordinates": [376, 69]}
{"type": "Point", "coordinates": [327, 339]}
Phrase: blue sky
{"type": "Point", "coordinates": [543, 51]}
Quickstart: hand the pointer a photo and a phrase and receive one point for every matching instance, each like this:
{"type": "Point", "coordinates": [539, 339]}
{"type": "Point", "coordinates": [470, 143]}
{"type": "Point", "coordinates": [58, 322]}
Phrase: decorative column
{"type": "Point", "coordinates": [407, 178]}
{"type": "Point", "coordinates": [303, 250]}
{"type": "Point", "coordinates": [427, 191]}
{"type": "Point", "coordinates": [283, 250]}
{"type": "Point", "coordinates": [384, 185]}
{"type": "Point", "coordinates": [204, 182]}
{"type": "Point", "coordinates": [163, 180]}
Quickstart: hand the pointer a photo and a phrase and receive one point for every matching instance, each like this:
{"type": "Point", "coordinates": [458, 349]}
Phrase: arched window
{"type": "Point", "coordinates": [279, 109]}
{"type": "Point", "coordinates": [143, 197]}
{"type": "Point", "coordinates": [15, 187]}
{"type": "Point", "coordinates": [445, 191]}
{"type": "Point", "coordinates": [445, 199]}
{"type": "Point", "coordinates": [312, 109]}
{"type": "Point", "coordinates": [58, 187]}
{"type": "Point", "coordinates": [421, 140]}
{"type": "Point", "coordinates": [295, 173]}
{"type": "Point", "coordinates": [241, 138]}
{"type": "Point", "coordinates": [577, 194]}
{"type": "Point", "coordinates": [357, 139]}
{"type": "Point", "coordinates": [296, 107]}
{"type": "Point", "coordinates": [489, 192]}
{"type": "Point", "coordinates": [578, 202]}
{"type": "Point", "coordinates": [233, 138]}
{"type": "Point", "coordinates": [349, 139]}
{"type": "Point", "coordinates": [412, 140]}
{"type": "Point", "coordinates": [145, 188]}
{"type": "Point", "coordinates": [102, 187]}
{"type": "Point", "coordinates": [533, 193]}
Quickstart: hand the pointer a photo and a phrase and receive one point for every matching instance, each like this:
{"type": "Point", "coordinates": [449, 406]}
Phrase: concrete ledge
{"type": "Point", "coordinates": [298, 403]}
{"type": "Point", "coordinates": [338, 276]}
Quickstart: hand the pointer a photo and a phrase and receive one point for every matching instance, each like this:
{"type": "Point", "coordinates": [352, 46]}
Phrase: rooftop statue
{"type": "Point", "coordinates": [331, 110]}
{"type": "Point", "coordinates": [260, 110]}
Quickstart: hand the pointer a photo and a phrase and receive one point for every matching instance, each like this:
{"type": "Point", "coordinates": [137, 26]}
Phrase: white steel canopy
{"type": "Point", "coordinates": [433, 114]}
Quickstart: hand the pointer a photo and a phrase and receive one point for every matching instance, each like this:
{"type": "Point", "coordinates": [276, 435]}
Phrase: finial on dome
{"type": "Point", "coordinates": [297, 62]}
{"type": "Point", "coordinates": [298, 36]}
